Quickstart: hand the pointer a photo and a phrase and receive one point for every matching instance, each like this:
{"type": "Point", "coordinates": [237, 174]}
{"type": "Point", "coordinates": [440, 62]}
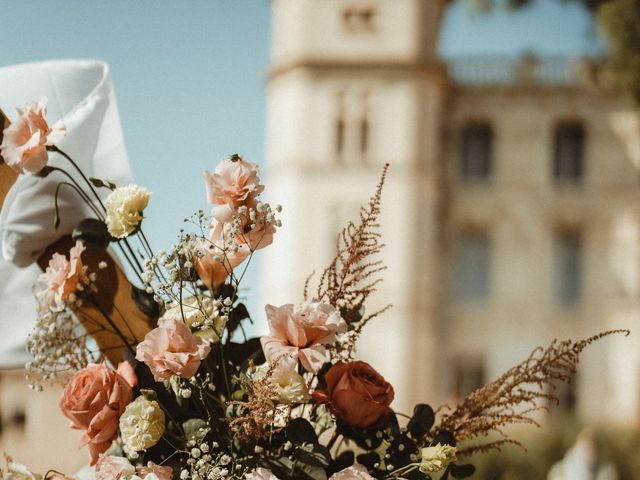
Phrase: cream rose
{"type": "Point", "coordinates": [290, 384]}
{"type": "Point", "coordinates": [141, 425]}
{"type": "Point", "coordinates": [124, 209]}
{"type": "Point", "coordinates": [201, 316]}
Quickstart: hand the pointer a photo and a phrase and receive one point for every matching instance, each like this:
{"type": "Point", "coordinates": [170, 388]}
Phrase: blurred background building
{"type": "Point", "coordinates": [510, 211]}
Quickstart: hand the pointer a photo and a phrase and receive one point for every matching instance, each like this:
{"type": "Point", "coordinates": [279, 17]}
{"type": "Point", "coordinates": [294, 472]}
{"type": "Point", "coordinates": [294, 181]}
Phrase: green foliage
{"type": "Point", "coordinates": [547, 446]}
{"type": "Point", "coordinates": [619, 22]}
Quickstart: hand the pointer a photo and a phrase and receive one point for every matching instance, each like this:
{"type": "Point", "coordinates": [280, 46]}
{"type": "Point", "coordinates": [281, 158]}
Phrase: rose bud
{"type": "Point", "coordinates": [356, 394]}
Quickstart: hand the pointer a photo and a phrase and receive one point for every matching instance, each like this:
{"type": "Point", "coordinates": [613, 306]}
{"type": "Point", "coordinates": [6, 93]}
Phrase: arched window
{"type": "Point", "coordinates": [568, 152]}
{"type": "Point", "coordinates": [476, 151]}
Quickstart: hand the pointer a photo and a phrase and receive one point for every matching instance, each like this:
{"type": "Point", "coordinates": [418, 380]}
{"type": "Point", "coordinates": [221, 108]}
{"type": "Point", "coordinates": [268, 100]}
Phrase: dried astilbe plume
{"type": "Point", "coordinates": [516, 395]}
{"type": "Point", "coordinates": [256, 417]}
{"type": "Point", "coordinates": [351, 277]}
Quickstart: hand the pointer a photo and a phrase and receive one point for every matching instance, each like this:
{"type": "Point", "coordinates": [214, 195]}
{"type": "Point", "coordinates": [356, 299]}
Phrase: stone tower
{"type": "Point", "coordinates": [355, 84]}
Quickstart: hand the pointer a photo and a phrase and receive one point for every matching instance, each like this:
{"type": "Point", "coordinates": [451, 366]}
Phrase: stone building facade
{"type": "Point", "coordinates": [510, 211]}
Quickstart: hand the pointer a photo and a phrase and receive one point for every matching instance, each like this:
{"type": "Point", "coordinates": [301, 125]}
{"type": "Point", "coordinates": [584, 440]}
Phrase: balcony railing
{"type": "Point", "coordinates": [525, 70]}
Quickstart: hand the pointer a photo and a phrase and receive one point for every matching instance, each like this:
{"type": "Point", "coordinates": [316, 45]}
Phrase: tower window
{"type": "Point", "coordinates": [568, 162]}
{"type": "Point", "coordinates": [476, 146]}
{"type": "Point", "coordinates": [359, 19]}
{"type": "Point", "coordinates": [364, 135]}
{"type": "Point", "coordinates": [340, 131]}
{"type": "Point", "coordinates": [472, 266]}
{"type": "Point", "coordinates": [567, 267]}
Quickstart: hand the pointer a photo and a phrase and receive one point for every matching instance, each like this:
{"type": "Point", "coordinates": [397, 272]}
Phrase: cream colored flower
{"type": "Point", "coordinates": [437, 458]}
{"type": "Point", "coordinates": [141, 425]}
{"type": "Point", "coordinates": [124, 209]}
{"type": "Point", "coordinates": [201, 315]}
{"type": "Point", "coordinates": [290, 385]}
{"type": "Point", "coordinates": [17, 471]}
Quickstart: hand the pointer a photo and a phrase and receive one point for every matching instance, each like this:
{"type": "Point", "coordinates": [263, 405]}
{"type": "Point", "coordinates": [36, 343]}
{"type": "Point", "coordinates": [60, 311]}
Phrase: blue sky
{"type": "Point", "coordinates": [189, 76]}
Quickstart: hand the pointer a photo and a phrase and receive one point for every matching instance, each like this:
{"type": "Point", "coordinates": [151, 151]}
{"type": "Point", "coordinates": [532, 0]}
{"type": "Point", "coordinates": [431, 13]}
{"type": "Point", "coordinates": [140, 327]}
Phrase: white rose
{"type": "Point", "coordinates": [124, 209]}
{"type": "Point", "coordinates": [201, 316]}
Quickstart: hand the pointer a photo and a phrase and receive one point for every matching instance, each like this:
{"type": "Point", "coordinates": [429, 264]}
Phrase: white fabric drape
{"type": "Point", "coordinates": [81, 93]}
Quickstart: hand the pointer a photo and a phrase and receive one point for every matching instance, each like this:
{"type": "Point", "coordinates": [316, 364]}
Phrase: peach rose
{"type": "Point", "coordinates": [163, 473]}
{"type": "Point", "coordinates": [171, 349]}
{"type": "Point", "coordinates": [234, 183]}
{"type": "Point", "coordinates": [298, 333]}
{"type": "Point", "coordinates": [212, 261]}
{"type": "Point", "coordinates": [260, 236]}
{"type": "Point", "coordinates": [354, 472]}
{"type": "Point", "coordinates": [110, 467]}
{"type": "Point", "coordinates": [94, 399]}
{"type": "Point", "coordinates": [24, 145]}
{"type": "Point", "coordinates": [356, 394]}
{"type": "Point", "coordinates": [62, 277]}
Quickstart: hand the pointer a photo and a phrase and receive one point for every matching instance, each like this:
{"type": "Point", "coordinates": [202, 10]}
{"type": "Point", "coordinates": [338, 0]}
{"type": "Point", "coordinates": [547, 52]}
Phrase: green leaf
{"type": "Point", "coordinates": [299, 431]}
{"type": "Point", "coordinates": [444, 438]}
{"type": "Point", "coordinates": [421, 421]}
{"type": "Point", "coordinates": [195, 429]}
{"type": "Point", "coordinates": [313, 454]}
{"type": "Point", "coordinates": [462, 471]}
{"type": "Point", "coordinates": [92, 231]}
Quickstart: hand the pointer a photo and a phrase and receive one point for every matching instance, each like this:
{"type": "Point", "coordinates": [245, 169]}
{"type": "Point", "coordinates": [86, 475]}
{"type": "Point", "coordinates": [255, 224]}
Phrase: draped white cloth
{"type": "Point", "coordinates": [80, 93]}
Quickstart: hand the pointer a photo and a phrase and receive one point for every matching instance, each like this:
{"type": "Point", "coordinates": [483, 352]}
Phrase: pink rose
{"type": "Point", "coordinates": [62, 277]}
{"type": "Point", "coordinates": [260, 474]}
{"type": "Point", "coordinates": [163, 473]}
{"type": "Point", "coordinates": [212, 261]}
{"type": "Point", "coordinates": [171, 349]}
{"type": "Point", "coordinates": [354, 472]}
{"type": "Point", "coordinates": [298, 333]}
{"type": "Point", "coordinates": [24, 146]}
{"type": "Point", "coordinates": [234, 183]}
{"type": "Point", "coordinates": [94, 399]}
{"type": "Point", "coordinates": [110, 467]}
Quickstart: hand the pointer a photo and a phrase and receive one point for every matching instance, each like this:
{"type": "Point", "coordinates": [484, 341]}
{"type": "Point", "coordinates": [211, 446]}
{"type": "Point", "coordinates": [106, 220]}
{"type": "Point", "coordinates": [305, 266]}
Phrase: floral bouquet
{"type": "Point", "coordinates": [165, 383]}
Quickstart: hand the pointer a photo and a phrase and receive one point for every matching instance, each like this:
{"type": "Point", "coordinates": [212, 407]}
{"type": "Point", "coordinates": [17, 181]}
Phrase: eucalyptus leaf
{"type": "Point", "coordinates": [421, 421]}
{"type": "Point", "coordinates": [462, 471]}
{"type": "Point", "coordinates": [299, 431]}
{"type": "Point", "coordinates": [93, 232]}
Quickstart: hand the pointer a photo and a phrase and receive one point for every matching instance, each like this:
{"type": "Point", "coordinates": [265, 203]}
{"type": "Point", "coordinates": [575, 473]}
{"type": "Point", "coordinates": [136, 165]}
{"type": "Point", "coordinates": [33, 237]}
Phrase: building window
{"type": "Point", "coordinates": [340, 128]}
{"type": "Point", "coordinates": [567, 267]}
{"type": "Point", "coordinates": [566, 394]}
{"type": "Point", "coordinates": [359, 19]}
{"type": "Point", "coordinates": [468, 375]}
{"type": "Point", "coordinates": [568, 152]}
{"type": "Point", "coordinates": [476, 140]}
{"type": "Point", "coordinates": [472, 266]}
{"type": "Point", "coordinates": [364, 135]}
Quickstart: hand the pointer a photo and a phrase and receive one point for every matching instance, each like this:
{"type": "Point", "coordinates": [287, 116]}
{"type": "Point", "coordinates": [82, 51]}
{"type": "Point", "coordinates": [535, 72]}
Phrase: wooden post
{"type": "Point", "coordinates": [113, 299]}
